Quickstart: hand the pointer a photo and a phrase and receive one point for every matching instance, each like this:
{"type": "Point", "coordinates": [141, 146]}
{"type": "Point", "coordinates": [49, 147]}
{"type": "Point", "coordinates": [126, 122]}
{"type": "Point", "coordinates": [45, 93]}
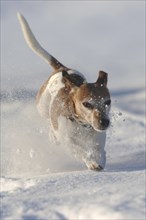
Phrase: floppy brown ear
{"type": "Point", "coordinates": [67, 81]}
{"type": "Point", "coordinates": [74, 80]}
{"type": "Point", "coordinates": [102, 78]}
{"type": "Point", "coordinates": [65, 75]}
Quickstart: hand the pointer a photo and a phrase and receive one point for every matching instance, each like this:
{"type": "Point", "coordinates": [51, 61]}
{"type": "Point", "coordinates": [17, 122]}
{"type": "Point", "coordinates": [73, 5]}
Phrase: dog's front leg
{"type": "Point", "coordinates": [96, 156]}
{"type": "Point", "coordinates": [96, 161]}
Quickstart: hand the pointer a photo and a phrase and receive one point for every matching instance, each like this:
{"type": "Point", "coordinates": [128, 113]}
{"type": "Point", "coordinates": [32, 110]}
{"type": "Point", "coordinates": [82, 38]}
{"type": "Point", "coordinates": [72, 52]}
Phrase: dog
{"type": "Point", "coordinates": [77, 111]}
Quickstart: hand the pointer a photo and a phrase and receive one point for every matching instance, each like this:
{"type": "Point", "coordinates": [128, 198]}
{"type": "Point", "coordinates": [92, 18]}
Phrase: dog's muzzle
{"type": "Point", "coordinates": [104, 123]}
{"type": "Point", "coordinates": [101, 121]}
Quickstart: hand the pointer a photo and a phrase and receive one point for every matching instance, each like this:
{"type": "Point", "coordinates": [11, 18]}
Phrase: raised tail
{"type": "Point", "coordinates": [34, 44]}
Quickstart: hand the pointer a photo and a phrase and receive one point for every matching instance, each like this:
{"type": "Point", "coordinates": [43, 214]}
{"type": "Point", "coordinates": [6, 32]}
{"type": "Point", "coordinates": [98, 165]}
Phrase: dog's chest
{"type": "Point", "coordinates": [72, 133]}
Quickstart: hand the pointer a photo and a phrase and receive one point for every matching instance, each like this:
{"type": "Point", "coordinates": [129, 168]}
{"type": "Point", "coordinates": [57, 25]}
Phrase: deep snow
{"type": "Point", "coordinates": [40, 180]}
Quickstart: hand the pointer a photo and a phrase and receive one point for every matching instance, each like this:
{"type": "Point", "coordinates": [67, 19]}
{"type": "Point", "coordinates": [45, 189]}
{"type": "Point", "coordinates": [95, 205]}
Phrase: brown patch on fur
{"type": "Point", "coordinates": [93, 91]}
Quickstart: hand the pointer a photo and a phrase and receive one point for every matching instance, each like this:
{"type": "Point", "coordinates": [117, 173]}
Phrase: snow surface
{"type": "Point", "coordinates": [41, 181]}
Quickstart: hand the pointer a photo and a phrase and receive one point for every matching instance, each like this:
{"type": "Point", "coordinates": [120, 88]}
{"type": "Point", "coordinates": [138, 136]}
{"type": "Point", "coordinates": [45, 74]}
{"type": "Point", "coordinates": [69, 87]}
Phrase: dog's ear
{"type": "Point", "coordinates": [102, 79]}
{"type": "Point", "coordinates": [72, 80]}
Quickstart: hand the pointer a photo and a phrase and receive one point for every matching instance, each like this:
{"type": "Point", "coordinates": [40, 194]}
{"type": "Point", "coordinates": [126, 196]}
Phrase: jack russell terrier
{"type": "Point", "coordinates": [77, 111]}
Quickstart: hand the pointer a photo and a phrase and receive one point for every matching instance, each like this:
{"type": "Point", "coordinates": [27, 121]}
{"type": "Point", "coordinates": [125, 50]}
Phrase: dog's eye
{"type": "Point", "coordinates": [107, 103]}
{"type": "Point", "coordinates": [88, 105]}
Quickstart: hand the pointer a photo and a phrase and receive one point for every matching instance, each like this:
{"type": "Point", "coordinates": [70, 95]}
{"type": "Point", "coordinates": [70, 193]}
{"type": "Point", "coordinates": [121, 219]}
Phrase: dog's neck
{"type": "Point", "coordinates": [76, 119]}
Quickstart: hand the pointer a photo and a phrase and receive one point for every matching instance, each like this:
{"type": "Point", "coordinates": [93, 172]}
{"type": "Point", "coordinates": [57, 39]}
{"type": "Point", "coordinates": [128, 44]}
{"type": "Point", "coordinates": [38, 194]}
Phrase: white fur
{"type": "Point", "coordinates": [54, 85]}
{"type": "Point", "coordinates": [31, 40]}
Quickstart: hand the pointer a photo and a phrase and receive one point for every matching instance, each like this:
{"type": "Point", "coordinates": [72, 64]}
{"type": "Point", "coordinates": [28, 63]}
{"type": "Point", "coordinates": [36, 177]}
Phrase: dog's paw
{"type": "Point", "coordinates": [95, 167]}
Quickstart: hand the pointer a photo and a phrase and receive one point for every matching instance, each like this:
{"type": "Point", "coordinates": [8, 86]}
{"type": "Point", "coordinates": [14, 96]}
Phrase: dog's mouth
{"type": "Point", "coordinates": [102, 125]}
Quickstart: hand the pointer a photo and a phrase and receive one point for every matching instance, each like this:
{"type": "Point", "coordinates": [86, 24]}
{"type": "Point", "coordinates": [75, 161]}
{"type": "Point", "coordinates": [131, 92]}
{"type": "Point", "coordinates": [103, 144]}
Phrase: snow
{"type": "Point", "coordinates": [76, 195]}
{"type": "Point", "coordinates": [40, 180]}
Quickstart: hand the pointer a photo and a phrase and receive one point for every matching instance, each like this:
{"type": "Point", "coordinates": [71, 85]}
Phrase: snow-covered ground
{"type": "Point", "coordinates": [39, 180]}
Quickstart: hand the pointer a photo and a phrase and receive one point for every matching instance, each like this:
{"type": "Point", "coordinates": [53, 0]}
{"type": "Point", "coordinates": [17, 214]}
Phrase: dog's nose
{"type": "Point", "coordinates": [105, 122]}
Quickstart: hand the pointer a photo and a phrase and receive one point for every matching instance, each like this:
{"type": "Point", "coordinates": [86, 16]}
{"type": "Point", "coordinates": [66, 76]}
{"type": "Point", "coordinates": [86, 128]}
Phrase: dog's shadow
{"type": "Point", "coordinates": [133, 162]}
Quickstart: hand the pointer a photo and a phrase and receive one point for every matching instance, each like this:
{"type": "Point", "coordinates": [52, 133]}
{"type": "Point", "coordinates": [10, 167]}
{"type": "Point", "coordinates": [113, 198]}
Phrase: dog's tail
{"type": "Point", "coordinates": [34, 44]}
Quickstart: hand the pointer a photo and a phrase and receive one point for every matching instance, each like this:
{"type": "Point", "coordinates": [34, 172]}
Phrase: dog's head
{"type": "Point", "coordinates": [91, 100]}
